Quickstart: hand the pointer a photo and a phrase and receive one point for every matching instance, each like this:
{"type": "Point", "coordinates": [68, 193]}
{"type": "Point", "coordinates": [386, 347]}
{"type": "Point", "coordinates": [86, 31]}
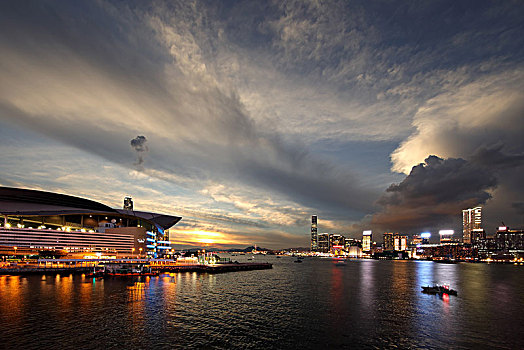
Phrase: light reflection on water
{"type": "Point", "coordinates": [367, 303]}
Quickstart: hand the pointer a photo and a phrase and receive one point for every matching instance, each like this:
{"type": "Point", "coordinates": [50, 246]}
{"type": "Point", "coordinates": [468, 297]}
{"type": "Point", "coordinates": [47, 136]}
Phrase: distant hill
{"type": "Point", "coordinates": [231, 250]}
{"type": "Point", "coordinates": [298, 249]}
{"type": "Point", "coordinates": [248, 249]}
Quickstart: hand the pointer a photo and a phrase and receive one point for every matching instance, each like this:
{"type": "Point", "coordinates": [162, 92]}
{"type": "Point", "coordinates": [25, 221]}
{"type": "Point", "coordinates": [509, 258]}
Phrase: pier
{"type": "Point", "coordinates": [214, 268]}
{"type": "Point", "coordinates": [79, 266]}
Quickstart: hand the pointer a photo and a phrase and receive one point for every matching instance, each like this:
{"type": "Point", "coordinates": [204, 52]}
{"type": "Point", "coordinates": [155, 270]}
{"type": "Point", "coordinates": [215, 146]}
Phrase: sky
{"type": "Point", "coordinates": [247, 117]}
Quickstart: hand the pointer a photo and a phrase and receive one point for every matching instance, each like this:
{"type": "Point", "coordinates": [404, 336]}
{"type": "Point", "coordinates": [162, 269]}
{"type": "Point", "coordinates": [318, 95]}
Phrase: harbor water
{"type": "Point", "coordinates": [309, 305]}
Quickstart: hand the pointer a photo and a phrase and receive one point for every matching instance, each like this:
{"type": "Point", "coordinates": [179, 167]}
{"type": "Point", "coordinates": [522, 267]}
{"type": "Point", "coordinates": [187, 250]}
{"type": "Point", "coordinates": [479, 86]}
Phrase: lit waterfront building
{"type": "Point", "coordinates": [446, 236]}
{"type": "Point", "coordinates": [477, 235]}
{"type": "Point", "coordinates": [416, 239]}
{"type": "Point", "coordinates": [337, 244]}
{"type": "Point", "coordinates": [389, 243]}
{"type": "Point", "coordinates": [471, 224]}
{"type": "Point", "coordinates": [401, 243]}
{"type": "Point", "coordinates": [45, 221]}
{"type": "Point", "coordinates": [425, 237]}
{"type": "Point", "coordinates": [510, 241]}
{"type": "Point", "coordinates": [323, 243]}
{"type": "Point", "coordinates": [314, 235]}
{"type": "Point", "coordinates": [366, 241]}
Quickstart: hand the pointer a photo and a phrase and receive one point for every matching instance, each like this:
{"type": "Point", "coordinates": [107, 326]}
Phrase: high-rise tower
{"type": "Point", "coordinates": [366, 241]}
{"type": "Point", "coordinates": [389, 242]}
{"type": "Point", "coordinates": [314, 236]}
{"type": "Point", "coordinates": [471, 222]}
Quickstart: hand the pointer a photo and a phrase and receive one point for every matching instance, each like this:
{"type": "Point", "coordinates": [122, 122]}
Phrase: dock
{"type": "Point", "coordinates": [205, 268]}
{"type": "Point", "coordinates": [44, 271]}
{"type": "Point", "coordinates": [214, 268]}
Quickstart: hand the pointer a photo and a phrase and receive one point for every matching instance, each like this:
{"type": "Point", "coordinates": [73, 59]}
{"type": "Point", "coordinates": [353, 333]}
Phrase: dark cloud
{"type": "Point", "coordinates": [433, 194]}
{"type": "Point", "coordinates": [140, 146]}
{"type": "Point", "coordinates": [496, 158]}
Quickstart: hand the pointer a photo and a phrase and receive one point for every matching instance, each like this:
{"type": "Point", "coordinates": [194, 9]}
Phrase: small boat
{"type": "Point", "coordinates": [436, 289]}
{"type": "Point", "coordinates": [98, 273]}
{"type": "Point", "coordinates": [298, 261]}
{"type": "Point", "coordinates": [340, 262]}
{"type": "Point", "coordinates": [278, 257]}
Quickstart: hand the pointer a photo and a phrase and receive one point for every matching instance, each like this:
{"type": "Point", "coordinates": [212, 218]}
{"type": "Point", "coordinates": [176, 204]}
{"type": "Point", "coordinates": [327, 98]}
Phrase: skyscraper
{"type": "Point", "coordinates": [388, 241]}
{"type": "Point", "coordinates": [471, 220]}
{"type": "Point", "coordinates": [400, 243]}
{"type": "Point", "coordinates": [323, 245]}
{"type": "Point", "coordinates": [314, 236]}
{"type": "Point", "coordinates": [366, 241]}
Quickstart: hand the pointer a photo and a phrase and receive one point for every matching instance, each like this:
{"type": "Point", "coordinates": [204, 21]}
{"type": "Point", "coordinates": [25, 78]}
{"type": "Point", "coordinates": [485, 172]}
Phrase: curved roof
{"type": "Point", "coordinates": [19, 201]}
{"type": "Point", "coordinates": [11, 194]}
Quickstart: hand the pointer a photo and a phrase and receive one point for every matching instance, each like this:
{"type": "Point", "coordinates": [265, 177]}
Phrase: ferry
{"type": "Point", "coordinates": [122, 269]}
{"type": "Point", "coordinates": [440, 290]}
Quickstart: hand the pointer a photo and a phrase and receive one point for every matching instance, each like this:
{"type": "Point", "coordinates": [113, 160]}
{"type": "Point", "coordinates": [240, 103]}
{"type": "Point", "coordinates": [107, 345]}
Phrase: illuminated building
{"type": "Point", "coordinates": [39, 220]}
{"type": "Point", "coordinates": [354, 251]}
{"type": "Point", "coordinates": [416, 239]}
{"type": "Point", "coordinates": [509, 241]}
{"type": "Point", "coordinates": [314, 236]}
{"type": "Point", "coordinates": [446, 235]}
{"type": "Point", "coordinates": [351, 242]}
{"type": "Point", "coordinates": [471, 220]}
{"type": "Point", "coordinates": [477, 235]}
{"type": "Point", "coordinates": [336, 243]}
{"type": "Point", "coordinates": [449, 250]}
{"type": "Point", "coordinates": [425, 237]}
{"type": "Point", "coordinates": [366, 241]}
{"type": "Point", "coordinates": [323, 243]}
{"type": "Point", "coordinates": [389, 244]}
{"type": "Point", "coordinates": [401, 243]}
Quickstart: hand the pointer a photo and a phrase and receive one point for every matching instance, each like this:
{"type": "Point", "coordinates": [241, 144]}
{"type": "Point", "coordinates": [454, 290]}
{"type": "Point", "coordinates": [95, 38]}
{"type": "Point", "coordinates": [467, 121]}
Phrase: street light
{"type": "Point", "coordinates": [140, 255]}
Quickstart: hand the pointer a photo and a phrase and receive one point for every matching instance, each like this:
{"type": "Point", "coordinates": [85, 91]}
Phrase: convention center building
{"type": "Point", "coordinates": [34, 221]}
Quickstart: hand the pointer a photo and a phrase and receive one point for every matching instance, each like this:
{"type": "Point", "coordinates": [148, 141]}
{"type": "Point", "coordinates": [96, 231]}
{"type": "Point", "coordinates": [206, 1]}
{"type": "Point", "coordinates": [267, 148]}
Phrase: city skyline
{"type": "Point", "coordinates": [247, 118]}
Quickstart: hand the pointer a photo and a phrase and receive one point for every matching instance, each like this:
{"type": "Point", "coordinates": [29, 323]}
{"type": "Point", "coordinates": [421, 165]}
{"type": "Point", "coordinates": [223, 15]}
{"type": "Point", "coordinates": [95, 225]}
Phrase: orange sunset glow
{"type": "Point", "coordinates": [203, 237]}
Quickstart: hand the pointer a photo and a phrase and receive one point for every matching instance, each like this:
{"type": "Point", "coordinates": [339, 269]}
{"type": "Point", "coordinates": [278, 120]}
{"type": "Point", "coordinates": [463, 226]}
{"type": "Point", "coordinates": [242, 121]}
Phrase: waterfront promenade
{"type": "Point", "coordinates": [79, 266]}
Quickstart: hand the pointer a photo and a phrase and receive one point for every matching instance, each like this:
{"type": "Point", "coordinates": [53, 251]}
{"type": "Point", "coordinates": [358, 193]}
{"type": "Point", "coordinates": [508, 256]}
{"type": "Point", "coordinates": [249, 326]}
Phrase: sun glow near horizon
{"type": "Point", "coordinates": [199, 236]}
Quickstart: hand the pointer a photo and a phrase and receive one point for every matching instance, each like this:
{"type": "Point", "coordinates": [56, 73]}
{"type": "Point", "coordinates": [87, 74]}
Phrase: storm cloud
{"type": "Point", "coordinates": [435, 192]}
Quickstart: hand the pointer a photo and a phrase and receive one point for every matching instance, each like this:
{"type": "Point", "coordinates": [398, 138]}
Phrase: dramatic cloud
{"type": "Point", "coordinates": [485, 113]}
{"type": "Point", "coordinates": [435, 192]}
